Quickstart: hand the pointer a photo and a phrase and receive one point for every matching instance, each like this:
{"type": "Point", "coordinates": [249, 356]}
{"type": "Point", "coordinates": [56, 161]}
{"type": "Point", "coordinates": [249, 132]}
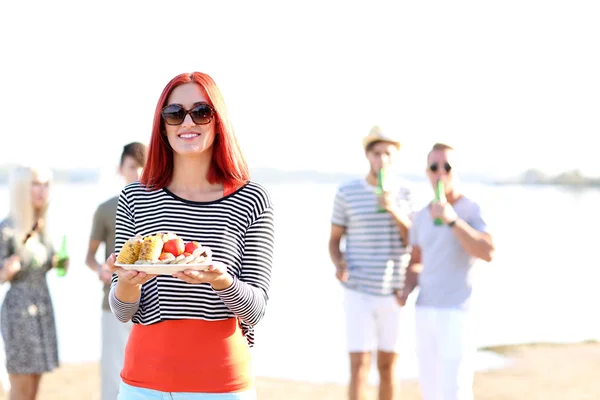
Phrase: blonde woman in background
{"type": "Point", "coordinates": [26, 255]}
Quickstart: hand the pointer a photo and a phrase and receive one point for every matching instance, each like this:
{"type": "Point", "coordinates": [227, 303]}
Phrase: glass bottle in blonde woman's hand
{"type": "Point", "coordinates": [62, 260]}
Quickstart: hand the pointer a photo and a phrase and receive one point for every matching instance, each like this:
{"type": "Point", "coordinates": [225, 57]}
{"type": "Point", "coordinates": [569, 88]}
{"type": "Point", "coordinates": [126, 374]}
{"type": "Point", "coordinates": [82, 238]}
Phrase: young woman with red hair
{"type": "Point", "coordinates": [193, 330]}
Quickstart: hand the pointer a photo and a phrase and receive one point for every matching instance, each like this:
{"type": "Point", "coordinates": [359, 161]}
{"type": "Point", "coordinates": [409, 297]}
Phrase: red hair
{"type": "Point", "coordinates": [228, 165]}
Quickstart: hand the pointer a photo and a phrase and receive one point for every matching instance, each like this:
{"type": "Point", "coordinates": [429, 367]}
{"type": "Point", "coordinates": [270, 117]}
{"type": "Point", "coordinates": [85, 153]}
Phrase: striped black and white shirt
{"type": "Point", "coordinates": [374, 251]}
{"type": "Point", "coordinates": [239, 229]}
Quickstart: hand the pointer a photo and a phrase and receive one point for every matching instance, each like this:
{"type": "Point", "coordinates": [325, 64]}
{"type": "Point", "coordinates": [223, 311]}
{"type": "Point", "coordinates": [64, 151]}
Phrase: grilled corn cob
{"type": "Point", "coordinates": [151, 248]}
{"type": "Point", "coordinates": [130, 251]}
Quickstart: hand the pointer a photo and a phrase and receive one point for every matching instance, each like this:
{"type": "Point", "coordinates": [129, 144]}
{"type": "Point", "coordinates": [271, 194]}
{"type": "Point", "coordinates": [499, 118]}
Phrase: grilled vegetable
{"type": "Point", "coordinates": [130, 251]}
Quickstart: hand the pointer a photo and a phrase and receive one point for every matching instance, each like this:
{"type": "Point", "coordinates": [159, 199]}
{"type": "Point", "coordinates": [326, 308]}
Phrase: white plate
{"type": "Point", "coordinates": [163, 269]}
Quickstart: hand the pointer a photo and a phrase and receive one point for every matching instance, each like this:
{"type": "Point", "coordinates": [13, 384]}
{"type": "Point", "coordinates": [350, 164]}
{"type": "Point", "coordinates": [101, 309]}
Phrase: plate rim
{"type": "Point", "coordinates": [121, 265]}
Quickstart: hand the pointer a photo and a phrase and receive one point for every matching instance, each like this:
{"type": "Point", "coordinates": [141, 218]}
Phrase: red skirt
{"type": "Point", "coordinates": [188, 356]}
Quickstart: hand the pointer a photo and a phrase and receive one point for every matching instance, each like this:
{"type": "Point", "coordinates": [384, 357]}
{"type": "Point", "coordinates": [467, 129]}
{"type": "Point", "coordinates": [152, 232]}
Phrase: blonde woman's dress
{"type": "Point", "coordinates": [27, 316]}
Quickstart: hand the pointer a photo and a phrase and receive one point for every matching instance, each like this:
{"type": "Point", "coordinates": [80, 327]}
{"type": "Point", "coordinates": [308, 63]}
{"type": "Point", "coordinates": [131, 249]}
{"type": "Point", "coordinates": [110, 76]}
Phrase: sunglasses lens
{"type": "Point", "coordinates": [435, 167]}
{"type": "Point", "coordinates": [173, 115]}
{"type": "Point", "coordinates": [201, 114]}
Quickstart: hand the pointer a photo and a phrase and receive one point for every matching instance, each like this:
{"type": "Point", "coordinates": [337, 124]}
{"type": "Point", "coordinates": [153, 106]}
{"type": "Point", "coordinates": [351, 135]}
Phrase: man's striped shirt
{"type": "Point", "coordinates": [239, 229]}
{"type": "Point", "coordinates": [374, 251]}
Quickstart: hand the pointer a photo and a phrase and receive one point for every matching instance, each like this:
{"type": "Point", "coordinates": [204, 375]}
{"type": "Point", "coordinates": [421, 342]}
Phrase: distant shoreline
{"type": "Point", "coordinates": [571, 179]}
{"type": "Point", "coordinates": [532, 177]}
{"type": "Point", "coordinates": [573, 186]}
{"type": "Point", "coordinates": [62, 175]}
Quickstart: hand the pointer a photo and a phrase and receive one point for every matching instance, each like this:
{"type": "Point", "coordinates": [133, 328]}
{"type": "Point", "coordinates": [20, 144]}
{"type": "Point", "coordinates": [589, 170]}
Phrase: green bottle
{"type": "Point", "coordinates": [62, 257]}
{"type": "Point", "coordinates": [440, 196]}
{"type": "Point", "coordinates": [379, 190]}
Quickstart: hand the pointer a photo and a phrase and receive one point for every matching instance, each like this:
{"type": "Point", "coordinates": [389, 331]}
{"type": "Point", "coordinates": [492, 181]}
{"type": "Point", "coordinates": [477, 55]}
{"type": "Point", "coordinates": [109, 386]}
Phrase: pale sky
{"type": "Point", "coordinates": [512, 84]}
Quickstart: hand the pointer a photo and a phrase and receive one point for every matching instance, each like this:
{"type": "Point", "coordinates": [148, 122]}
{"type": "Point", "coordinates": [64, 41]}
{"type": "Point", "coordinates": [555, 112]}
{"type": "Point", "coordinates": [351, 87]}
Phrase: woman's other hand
{"type": "Point", "coordinates": [56, 260]}
{"type": "Point", "coordinates": [10, 267]}
{"type": "Point", "coordinates": [216, 275]}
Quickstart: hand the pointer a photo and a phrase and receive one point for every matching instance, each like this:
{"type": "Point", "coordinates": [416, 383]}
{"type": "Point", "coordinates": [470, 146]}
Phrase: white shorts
{"type": "Point", "coordinates": [372, 322]}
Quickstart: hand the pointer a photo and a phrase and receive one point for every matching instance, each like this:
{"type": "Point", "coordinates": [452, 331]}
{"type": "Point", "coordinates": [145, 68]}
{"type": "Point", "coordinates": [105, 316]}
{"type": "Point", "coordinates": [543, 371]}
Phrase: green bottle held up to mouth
{"type": "Point", "coordinates": [440, 196]}
{"type": "Point", "coordinates": [379, 190]}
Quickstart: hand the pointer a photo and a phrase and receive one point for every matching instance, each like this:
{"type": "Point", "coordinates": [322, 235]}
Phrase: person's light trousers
{"type": "Point", "coordinates": [446, 350]}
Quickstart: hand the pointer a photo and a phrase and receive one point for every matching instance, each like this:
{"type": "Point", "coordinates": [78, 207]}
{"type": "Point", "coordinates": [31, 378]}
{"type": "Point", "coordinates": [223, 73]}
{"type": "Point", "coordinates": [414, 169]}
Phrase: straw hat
{"type": "Point", "coordinates": [377, 135]}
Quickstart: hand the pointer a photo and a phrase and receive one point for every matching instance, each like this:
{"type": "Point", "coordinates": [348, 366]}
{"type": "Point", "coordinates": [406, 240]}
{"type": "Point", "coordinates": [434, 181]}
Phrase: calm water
{"type": "Point", "coordinates": [540, 287]}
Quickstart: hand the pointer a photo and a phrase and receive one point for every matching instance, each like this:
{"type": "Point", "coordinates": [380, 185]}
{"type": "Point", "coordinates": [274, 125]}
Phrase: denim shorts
{"type": "Point", "coordinates": [128, 392]}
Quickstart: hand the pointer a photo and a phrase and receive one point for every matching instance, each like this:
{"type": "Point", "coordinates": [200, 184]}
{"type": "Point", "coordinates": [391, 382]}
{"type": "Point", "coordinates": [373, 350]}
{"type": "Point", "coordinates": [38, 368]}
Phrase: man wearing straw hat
{"type": "Point", "coordinates": [375, 227]}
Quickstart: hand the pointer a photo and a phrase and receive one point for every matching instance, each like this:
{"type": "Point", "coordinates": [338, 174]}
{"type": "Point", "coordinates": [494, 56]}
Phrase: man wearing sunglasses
{"type": "Point", "coordinates": [441, 264]}
{"type": "Point", "coordinates": [371, 267]}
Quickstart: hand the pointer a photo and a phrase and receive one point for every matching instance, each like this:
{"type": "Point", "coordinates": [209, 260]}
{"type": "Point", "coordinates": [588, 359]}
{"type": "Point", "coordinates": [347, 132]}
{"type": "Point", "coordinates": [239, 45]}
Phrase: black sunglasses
{"type": "Point", "coordinates": [434, 167]}
{"type": "Point", "coordinates": [201, 113]}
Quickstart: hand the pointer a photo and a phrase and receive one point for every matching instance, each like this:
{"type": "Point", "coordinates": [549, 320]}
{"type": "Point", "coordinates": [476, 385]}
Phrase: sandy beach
{"type": "Point", "coordinates": [537, 371]}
